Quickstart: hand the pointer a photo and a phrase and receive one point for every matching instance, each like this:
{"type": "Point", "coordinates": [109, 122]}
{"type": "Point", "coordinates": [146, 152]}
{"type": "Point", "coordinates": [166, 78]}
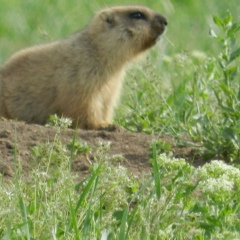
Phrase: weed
{"type": "Point", "coordinates": [201, 98]}
{"type": "Point", "coordinates": [190, 92]}
{"type": "Point", "coordinates": [222, 137]}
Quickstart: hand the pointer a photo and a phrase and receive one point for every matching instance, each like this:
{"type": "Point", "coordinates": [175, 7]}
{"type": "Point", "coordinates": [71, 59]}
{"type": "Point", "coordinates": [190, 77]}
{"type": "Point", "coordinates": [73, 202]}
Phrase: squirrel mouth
{"type": "Point", "coordinates": [158, 39]}
{"type": "Point", "coordinates": [159, 34]}
{"type": "Point", "coordinates": [160, 25]}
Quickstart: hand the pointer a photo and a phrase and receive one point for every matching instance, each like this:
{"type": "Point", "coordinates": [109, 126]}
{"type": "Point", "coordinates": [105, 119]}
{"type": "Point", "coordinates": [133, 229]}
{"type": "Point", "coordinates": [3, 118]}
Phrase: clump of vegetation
{"type": "Point", "coordinates": [60, 122]}
{"type": "Point", "coordinates": [222, 137]}
{"type": "Point", "coordinates": [175, 201]}
{"type": "Point", "coordinates": [192, 93]}
{"type": "Point", "coordinates": [201, 98]}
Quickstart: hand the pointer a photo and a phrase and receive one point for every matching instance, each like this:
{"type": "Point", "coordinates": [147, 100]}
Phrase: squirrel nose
{"type": "Point", "coordinates": [162, 20]}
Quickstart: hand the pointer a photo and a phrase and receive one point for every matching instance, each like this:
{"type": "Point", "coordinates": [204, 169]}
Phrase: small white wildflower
{"type": "Point", "coordinates": [172, 163]}
{"type": "Point", "coordinates": [62, 122]}
{"type": "Point", "coordinates": [104, 234]}
{"type": "Point", "coordinates": [41, 173]}
{"type": "Point", "coordinates": [219, 186]}
{"type": "Point", "coordinates": [219, 169]}
{"type": "Point", "coordinates": [166, 233]}
{"type": "Point", "coordinates": [202, 172]}
{"type": "Point", "coordinates": [167, 59]}
{"type": "Point", "coordinates": [194, 232]}
{"type": "Point", "coordinates": [225, 234]}
{"type": "Point", "coordinates": [199, 55]}
{"type": "Point", "coordinates": [8, 194]}
{"type": "Point", "coordinates": [105, 144]}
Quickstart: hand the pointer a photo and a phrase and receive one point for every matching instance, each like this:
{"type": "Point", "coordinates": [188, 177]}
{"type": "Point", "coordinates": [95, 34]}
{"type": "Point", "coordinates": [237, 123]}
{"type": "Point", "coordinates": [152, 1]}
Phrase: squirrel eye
{"type": "Point", "coordinates": [138, 15]}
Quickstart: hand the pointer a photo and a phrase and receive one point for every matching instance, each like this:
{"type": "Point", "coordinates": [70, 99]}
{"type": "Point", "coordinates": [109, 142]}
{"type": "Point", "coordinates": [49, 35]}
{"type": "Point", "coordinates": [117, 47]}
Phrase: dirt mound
{"type": "Point", "coordinates": [20, 138]}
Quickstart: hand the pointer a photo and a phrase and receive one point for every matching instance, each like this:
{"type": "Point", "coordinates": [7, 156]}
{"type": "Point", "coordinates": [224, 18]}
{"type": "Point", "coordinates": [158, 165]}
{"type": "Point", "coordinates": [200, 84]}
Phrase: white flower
{"type": "Point", "coordinates": [8, 194]}
{"type": "Point", "coordinates": [216, 186]}
{"type": "Point", "coordinates": [219, 170]}
{"type": "Point", "coordinates": [173, 163]}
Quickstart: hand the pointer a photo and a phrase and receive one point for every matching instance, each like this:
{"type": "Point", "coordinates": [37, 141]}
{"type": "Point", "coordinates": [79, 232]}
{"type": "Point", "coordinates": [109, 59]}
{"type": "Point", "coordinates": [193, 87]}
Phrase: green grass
{"type": "Point", "coordinates": [190, 93]}
{"type": "Point", "coordinates": [175, 201]}
{"type": "Point", "coordinates": [30, 22]}
{"type": "Point", "coordinates": [187, 86]}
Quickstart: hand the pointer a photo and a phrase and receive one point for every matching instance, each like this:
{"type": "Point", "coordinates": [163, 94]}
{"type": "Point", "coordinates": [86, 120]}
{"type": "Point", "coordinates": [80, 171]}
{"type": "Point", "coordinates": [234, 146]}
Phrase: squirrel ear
{"type": "Point", "coordinates": [108, 17]}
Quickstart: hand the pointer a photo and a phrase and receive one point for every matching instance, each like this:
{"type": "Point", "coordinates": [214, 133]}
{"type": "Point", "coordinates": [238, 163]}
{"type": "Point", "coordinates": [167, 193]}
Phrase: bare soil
{"type": "Point", "coordinates": [18, 137]}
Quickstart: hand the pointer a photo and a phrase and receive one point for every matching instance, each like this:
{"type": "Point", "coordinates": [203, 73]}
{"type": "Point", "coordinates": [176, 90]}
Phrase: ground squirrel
{"type": "Point", "coordinates": [81, 76]}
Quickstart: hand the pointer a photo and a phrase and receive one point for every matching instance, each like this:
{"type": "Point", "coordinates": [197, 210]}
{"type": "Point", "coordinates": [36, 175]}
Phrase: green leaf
{"type": "Point", "coordinates": [73, 218]}
{"type": "Point", "coordinates": [156, 171]}
{"type": "Point", "coordinates": [234, 29]}
{"type": "Point", "coordinates": [88, 187]}
{"type": "Point", "coordinates": [235, 54]}
{"type": "Point", "coordinates": [228, 19]}
{"type": "Point", "coordinates": [87, 221]}
{"type": "Point", "coordinates": [123, 225]}
{"type": "Point", "coordinates": [118, 215]}
{"type": "Point", "coordinates": [232, 72]}
{"type": "Point", "coordinates": [24, 217]}
{"type": "Point", "coordinates": [212, 33]}
{"type": "Point", "coordinates": [218, 21]}
{"type": "Point", "coordinates": [184, 191]}
{"type": "Point", "coordinates": [151, 116]}
{"type": "Point", "coordinates": [229, 133]}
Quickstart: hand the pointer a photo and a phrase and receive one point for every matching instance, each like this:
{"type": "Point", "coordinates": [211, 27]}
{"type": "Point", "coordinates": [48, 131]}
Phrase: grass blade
{"type": "Point", "coordinates": [123, 225]}
{"type": "Point", "coordinates": [89, 216]}
{"type": "Point", "coordinates": [72, 149]}
{"type": "Point", "coordinates": [24, 217]}
{"type": "Point", "coordinates": [156, 172]}
{"type": "Point", "coordinates": [234, 55]}
{"type": "Point", "coordinates": [87, 188]}
{"type": "Point", "coordinates": [73, 219]}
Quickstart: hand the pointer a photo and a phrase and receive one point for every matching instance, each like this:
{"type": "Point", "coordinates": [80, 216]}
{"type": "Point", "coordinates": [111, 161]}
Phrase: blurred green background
{"type": "Point", "coordinates": [28, 22]}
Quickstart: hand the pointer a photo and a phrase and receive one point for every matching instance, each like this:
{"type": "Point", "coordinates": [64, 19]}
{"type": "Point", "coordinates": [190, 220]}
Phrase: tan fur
{"type": "Point", "coordinates": [81, 76]}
